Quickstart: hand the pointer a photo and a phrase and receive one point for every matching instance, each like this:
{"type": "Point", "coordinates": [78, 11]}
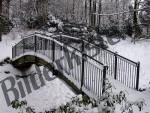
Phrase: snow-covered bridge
{"type": "Point", "coordinates": [82, 65]}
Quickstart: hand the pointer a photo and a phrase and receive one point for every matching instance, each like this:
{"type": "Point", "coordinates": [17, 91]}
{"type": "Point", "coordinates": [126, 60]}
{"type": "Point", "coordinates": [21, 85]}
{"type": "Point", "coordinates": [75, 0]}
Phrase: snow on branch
{"type": "Point", "coordinates": [121, 12]}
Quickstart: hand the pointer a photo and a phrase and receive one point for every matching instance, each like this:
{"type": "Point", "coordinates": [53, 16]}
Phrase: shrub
{"type": "Point", "coordinates": [128, 28]}
{"type": "Point", "coordinates": [22, 106]}
{"type": "Point", "coordinates": [5, 25]}
{"type": "Point", "coordinates": [35, 22]}
{"type": "Point", "coordinates": [7, 60]}
{"type": "Point", "coordinates": [109, 100]}
{"type": "Point", "coordinates": [110, 31]}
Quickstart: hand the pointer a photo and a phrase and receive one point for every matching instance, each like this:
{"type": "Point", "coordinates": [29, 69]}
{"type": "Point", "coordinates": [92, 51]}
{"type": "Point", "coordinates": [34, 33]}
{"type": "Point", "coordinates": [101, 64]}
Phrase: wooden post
{"type": "Point", "coordinates": [115, 70]}
{"type": "Point", "coordinates": [104, 78]}
{"type": "Point", "coordinates": [138, 76]}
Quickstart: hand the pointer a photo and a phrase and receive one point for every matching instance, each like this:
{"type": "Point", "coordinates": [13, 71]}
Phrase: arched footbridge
{"type": "Point", "coordinates": [82, 64]}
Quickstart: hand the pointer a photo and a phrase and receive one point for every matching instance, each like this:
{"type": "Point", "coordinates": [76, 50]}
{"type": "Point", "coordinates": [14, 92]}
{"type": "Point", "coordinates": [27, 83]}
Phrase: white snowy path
{"type": "Point", "coordinates": [140, 51]}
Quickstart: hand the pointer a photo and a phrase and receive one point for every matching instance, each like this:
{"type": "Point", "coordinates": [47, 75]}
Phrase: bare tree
{"type": "Point", "coordinates": [0, 15]}
{"type": "Point", "coordinates": [99, 11]}
{"type": "Point", "coordinates": [42, 9]}
{"type": "Point", "coordinates": [135, 20]}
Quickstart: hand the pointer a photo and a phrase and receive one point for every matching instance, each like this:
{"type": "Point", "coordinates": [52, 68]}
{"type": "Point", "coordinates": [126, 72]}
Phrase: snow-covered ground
{"type": "Point", "coordinates": [56, 92]}
{"type": "Point", "coordinates": [52, 95]}
{"type": "Point", "coordinates": [140, 51]}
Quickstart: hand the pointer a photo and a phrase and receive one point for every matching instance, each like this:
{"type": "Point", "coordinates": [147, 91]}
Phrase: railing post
{"type": "Point", "coordinates": [53, 56]}
{"type": "Point", "coordinates": [138, 76]}
{"type": "Point", "coordinates": [53, 50]}
{"type": "Point", "coordinates": [12, 51]}
{"type": "Point", "coordinates": [23, 46]}
{"type": "Point", "coordinates": [35, 43]}
{"type": "Point", "coordinates": [115, 70]}
{"type": "Point", "coordinates": [15, 51]}
{"type": "Point", "coordinates": [83, 66]}
{"type": "Point", "coordinates": [104, 78]}
{"type": "Point", "coordinates": [23, 49]}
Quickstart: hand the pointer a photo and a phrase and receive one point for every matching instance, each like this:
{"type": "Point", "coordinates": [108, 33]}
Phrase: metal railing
{"type": "Point", "coordinates": [85, 66]}
{"type": "Point", "coordinates": [84, 71]}
{"type": "Point", "coordinates": [120, 68]}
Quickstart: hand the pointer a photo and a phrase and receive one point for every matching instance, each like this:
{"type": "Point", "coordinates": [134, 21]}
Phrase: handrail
{"type": "Point", "coordinates": [120, 67]}
{"type": "Point", "coordinates": [53, 36]}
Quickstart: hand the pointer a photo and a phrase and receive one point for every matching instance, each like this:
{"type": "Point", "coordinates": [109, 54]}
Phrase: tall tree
{"type": "Point", "coordinates": [99, 12]}
{"type": "Point", "coordinates": [136, 28]}
{"type": "Point", "coordinates": [0, 24]}
{"type": "Point", "coordinates": [85, 11]}
{"type": "Point", "coordinates": [42, 9]}
{"type": "Point", "coordinates": [90, 12]}
{"type": "Point", "coordinates": [94, 11]}
{"type": "Point", "coordinates": [145, 15]}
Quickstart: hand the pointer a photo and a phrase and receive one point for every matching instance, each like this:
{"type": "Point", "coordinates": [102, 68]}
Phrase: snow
{"type": "Point", "coordinates": [52, 95]}
{"type": "Point", "coordinates": [132, 96]}
{"type": "Point", "coordinates": [138, 52]}
{"type": "Point", "coordinates": [10, 40]}
{"type": "Point", "coordinates": [56, 92]}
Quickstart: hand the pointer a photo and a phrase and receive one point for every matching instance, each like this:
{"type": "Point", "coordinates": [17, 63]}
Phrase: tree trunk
{"type": "Point", "coordinates": [73, 9]}
{"type": "Point", "coordinates": [85, 11]}
{"type": "Point", "coordinates": [99, 12]}
{"type": "Point", "coordinates": [90, 11]}
{"type": "Point", "coordinates": [0, 15]}
{"type": "Point", "coordinates": [135, 21]}
{"type": "Point", "coordinates": [94, 15]}
{"type": "Point", "coordinates": [42, 9]}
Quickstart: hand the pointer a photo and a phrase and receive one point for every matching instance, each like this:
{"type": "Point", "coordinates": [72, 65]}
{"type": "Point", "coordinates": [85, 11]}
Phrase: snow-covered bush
{"type": "Point", "coordinates": [21, 106]}
{"type": "Point", "coordinates": [109, 100]}
{"type": "Point", "coordinates": [6, 60]}
{"type": "Point", "coordinates": [111, 31]}
{"type": "Point", "coordinates": [78, 104]}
